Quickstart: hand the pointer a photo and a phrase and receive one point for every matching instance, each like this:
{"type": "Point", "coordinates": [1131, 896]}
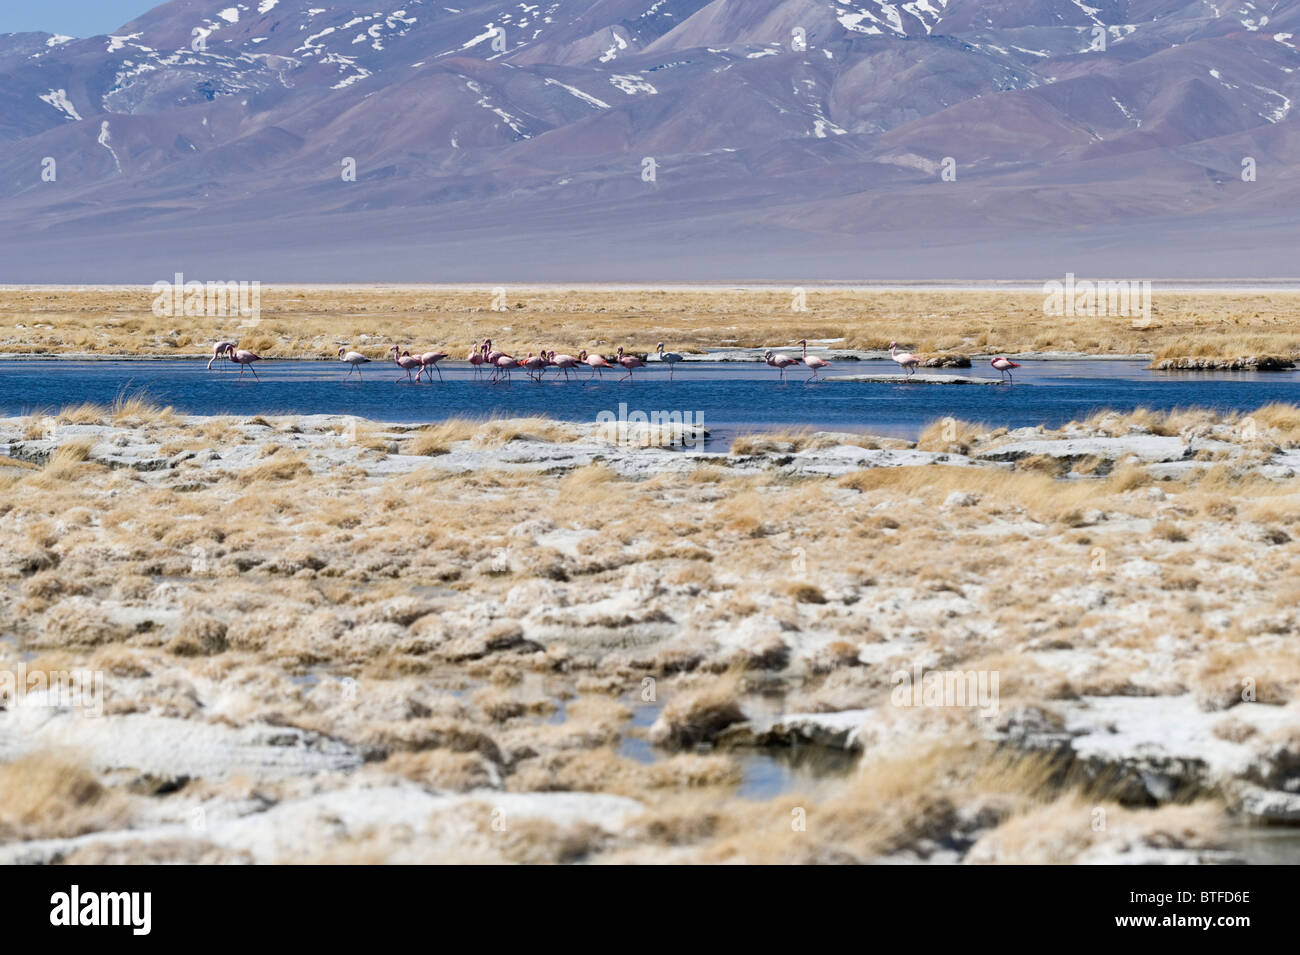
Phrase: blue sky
{"type": "Point", "coordinates": [70, 17]}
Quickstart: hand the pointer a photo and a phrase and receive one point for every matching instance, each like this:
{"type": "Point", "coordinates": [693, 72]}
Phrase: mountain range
{"type": "Point", "coordinates": [655, 140]}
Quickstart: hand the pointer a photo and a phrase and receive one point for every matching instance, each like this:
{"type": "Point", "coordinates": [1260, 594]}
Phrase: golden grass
{"type": "Point", "coordinates": [570, 588]}
{"type": "Point", "coordinates": [45, 796]}
{"type": "Point", "coordinates": [762, 442]}
{"type": "Point", "coordinates": [312, 322]}
{"type": "Point", "coordinates": [492, 432]}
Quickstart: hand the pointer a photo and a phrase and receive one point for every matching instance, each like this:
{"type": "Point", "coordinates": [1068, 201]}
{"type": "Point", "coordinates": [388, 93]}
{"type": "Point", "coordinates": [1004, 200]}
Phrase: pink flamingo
{"type": "Point", "coordinates": [491, 353]}
{"type": "Point", "coordinates": [815, 363]}
{"type": "Point", "coordinates": [629, 362]}
{"type": "Point", "coordinates": [429, 360]}
{"type": "Point", "coordinates": [906, 360]}
{"type": "Point", "coordinates": [405, 362]}
{"type": "Point", "coordinates": [504, 364]}
{"type": "Point", "coordinates": [596, 363]}
{"type": "Point", "coordinates": [779, 362]}
{"type": "Point", "coordinates": [244, 359]}
{"type": "Point", "coordinates": [219, 349]}
{"type": "Point", "coordinates": [564, 363]}
{"type": "Point", "coordinates": [535, 366]}
{"type": "Point", "coordinates": [1004, 366]}
{"type": "Point", "coordinates": [477, 360]}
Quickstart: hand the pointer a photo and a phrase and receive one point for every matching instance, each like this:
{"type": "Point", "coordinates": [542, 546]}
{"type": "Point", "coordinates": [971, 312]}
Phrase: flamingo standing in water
{"type": "Point", "coordinates": [1004, 366]}
{"type": "Point", "coordinates": [504, 364]}
{"type": "Point", "coordinates": [405, 362]}
{"type": "Point", "coordinates": [629, 362]}
{"type": "Point", "coordinates": [564, 363]}
{"type": "Point", "coordinates": [244, 359]}
{"type": "Point", "coordinates": [671, 357]}
{"type": "Point", "coordinates": [477, 360]}
{"type": "Point", "coordinates": [535, 365]}
{"type": "Point", "coordinates": [219, 349]}
{"type": "Point", "coordinates": [353, 358]}
{"type": "Point", "coordinates": [906, 360]}
{"type": "Point", "coordinates": [815, 363]}
{"type": "Point", "coordinates": [779, 362]}
{"type": "Point", "coordinates": [429, 360]}
{"type": "Point", "coordinates": [597, 363]}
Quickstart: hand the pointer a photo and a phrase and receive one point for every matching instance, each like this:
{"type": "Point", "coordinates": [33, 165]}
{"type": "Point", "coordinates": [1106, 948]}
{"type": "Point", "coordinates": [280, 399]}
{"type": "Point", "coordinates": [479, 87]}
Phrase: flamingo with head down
{"type": "Point", "coordinates": [535, 365]}
{"type": "Point", "coordinates": [504, 365]}
{"type": "Point", "coordinates": [429, 360]}
{"type": "Point", "coordinates": [1004, 366]}
{"type": "Point", "coordinates": [219, 349]}
{"type": "Point", "coordinates": [564, 363]}
{"type": "Point", "coordinates": [596, 363]}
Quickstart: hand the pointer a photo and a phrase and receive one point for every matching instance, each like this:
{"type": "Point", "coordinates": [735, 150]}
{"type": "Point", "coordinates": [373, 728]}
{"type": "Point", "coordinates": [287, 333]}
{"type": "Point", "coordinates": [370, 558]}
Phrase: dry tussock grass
{"type": "Point", "coordinates": [349, 574]}
{"type": "Point", "coordinates": [312, 322]}
{"type": "Point", "coordinates": [47, 796]}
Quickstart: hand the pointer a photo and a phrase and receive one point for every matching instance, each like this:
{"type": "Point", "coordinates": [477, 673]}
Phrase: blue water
{"type": "Point", "coordinates": [730, 397]}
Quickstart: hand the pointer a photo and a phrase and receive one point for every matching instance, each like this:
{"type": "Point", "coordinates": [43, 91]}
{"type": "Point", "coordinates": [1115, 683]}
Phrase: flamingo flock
{"type": "Point", "coordinates": [484, 356]}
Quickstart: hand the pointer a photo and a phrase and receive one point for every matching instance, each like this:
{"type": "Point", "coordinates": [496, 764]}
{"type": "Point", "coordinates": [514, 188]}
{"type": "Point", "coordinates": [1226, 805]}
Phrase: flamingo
{"type": "Point", "coordinates": [504, 364]}
{"type": "Point", "coordinates": [219, 349]}
{"type": "Point", "coordinates": [564, 363]}
{"type": "Point", "coordinates": [353, 358]}
{"type": "Point", "coordinates": [405, 362]}
{"type": "Point", "coordinates": [815, 363]}
{"type": "Point", "coordinates": [779, 362]}
{"type": "Point", "coordinates": [906, 360]}
{"type": "Point", "coordinates": [629, 362]}
{"type": "Point", "coordinates": [671, 357]}
{"type": "Point", "coordinates": [534, 366]}
{"type": "Point", "coordinates": [596, 363]}
{"type": "Point", "coordinates": [429, 360]}
{"type": "Point", "coordinates": [476, 359]}
{"type": "Point", "coordinates": [1004, 366]}
{"type": "Point", "coordinates": [491, 353]}
{"type": "Point", "coordinates": [244, 359]}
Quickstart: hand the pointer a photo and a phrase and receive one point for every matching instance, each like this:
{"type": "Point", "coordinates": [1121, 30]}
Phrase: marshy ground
{"type": "Point", "coordinates": [325, 639]}
{"type": "Point", "coordinates": [312, 322]}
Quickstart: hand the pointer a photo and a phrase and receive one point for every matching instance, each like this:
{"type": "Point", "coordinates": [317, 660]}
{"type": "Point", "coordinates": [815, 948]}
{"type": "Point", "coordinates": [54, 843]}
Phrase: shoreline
{"type": "Point", "coordinates": [848, 355]}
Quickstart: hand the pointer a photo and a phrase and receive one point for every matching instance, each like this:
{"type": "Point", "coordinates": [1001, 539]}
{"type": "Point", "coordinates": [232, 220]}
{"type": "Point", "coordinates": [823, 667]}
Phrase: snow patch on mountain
{"type": "Point", "coordinates": [1128, 114]}
{"type": "Point", "coordinates": [59, 100]}
{"type": "Point", "coordinates": [106, 140]}
{"type": "Point", "coordinates": [116, 43]}
{"type": "Point", "coordinates": [619, 44]}
{"type": "Point", "coordinates": [599, 103]}
{"type": "Point", "coordinates": [485, 102]}
{"type": "Point", "coordinates": [1279, 114]}
{"type": "Point", "coordinates": [631, 84]}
